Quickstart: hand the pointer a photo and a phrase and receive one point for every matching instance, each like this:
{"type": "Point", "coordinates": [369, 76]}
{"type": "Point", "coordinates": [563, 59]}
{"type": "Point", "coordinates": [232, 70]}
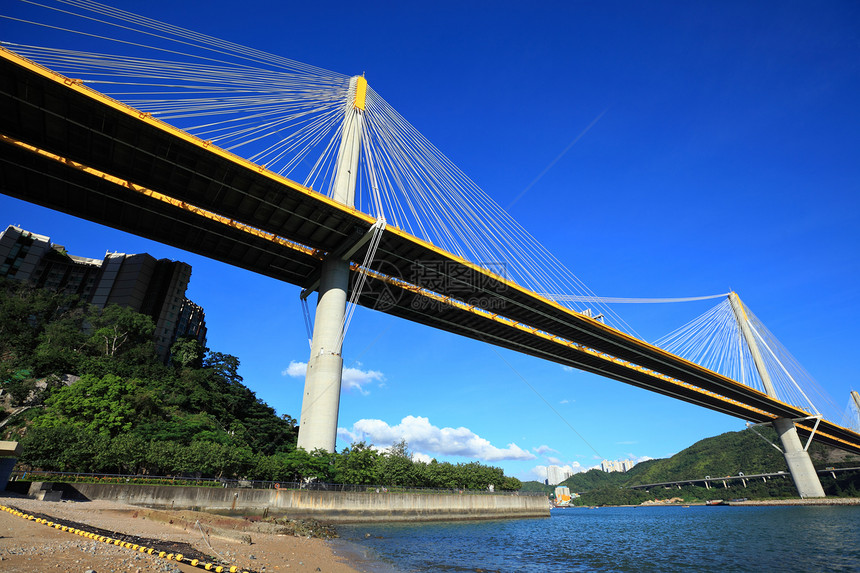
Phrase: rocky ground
{"type": "Point", "coordinates": [259, 547]}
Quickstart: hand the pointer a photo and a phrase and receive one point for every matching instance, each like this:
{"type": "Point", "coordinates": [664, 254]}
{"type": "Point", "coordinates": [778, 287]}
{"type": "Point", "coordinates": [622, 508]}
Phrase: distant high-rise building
{"type": "Point", "coordinates": [616, 465]}
{"type": "Point", "coordinates": [141, 282]}
{"type": "Point", "coordinates": [555, 475]}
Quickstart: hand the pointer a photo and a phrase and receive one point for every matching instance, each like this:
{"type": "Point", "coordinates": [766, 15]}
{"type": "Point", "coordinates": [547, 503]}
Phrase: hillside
{"type": "Point", "coordinates": [726, 454]}
{"type": "Point", "coordinates": [84, 391]}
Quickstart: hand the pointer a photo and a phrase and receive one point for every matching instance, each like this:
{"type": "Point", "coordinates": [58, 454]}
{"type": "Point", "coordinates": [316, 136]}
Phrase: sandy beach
{"type": "Point", "coordinates": [28, 546]}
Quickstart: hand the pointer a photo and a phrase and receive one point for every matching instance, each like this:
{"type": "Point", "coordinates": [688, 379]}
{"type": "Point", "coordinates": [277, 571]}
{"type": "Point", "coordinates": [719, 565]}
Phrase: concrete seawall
{"type": "Point", "coordinates": [327, 506]}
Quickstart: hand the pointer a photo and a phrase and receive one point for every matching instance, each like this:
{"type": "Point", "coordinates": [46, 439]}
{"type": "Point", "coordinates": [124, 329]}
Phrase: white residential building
{"type": "Point", "coordinates": [555, 475]}
{"type": "Point", "coordinates": [616, 465]}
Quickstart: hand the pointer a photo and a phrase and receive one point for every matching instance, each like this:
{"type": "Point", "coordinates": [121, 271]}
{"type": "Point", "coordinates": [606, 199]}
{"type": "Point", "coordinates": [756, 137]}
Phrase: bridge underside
{"type": "Point", "coordinates": [68, 148]}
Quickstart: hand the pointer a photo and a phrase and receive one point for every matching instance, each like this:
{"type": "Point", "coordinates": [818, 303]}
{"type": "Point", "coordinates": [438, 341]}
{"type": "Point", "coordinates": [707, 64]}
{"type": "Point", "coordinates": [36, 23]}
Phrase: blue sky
{"type": "Point", "coordinates": [724, 156]}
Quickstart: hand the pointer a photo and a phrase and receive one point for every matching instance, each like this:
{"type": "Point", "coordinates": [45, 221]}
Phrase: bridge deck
{"type": "Point", "coordinates": [70, 148]}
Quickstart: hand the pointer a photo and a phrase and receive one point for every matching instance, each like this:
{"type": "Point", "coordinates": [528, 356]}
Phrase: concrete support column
{"type": "Point", "coordinates": [321, 400]}
{"type": "Point", "coordinates": [799, 464]}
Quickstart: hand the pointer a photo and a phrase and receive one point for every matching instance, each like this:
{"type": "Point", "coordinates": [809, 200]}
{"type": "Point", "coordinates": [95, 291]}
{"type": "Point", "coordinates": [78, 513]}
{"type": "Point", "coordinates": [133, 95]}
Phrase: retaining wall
{"type": "Point", "coordinates": [328, 506]}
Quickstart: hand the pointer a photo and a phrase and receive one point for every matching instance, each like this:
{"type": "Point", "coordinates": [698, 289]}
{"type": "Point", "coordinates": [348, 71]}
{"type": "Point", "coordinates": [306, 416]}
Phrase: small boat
{"type": "Point", "coordinates": [715, 502]}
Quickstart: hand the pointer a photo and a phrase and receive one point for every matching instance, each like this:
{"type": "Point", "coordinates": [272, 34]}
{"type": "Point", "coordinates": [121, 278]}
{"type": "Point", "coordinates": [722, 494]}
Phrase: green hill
{"type": "Point", "coordinates": [726, 454]}
{"type": "Point", "coordinates": [723, 455]}
{"type": "Point", "coordinates": [530, 486]}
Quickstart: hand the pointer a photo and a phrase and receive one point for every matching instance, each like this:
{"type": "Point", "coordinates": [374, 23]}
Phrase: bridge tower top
{"type": "Point", "coordinates": [351, 134]}
{"type": "Point", "coordinates": [749, 337]}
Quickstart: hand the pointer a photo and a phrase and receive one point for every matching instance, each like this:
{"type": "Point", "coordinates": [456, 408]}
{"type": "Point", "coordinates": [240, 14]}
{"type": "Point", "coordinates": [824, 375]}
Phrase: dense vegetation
{"type": "Point", "coordinates": [86, 393]}
{"type": "Point", "coordinates": [723, 455]}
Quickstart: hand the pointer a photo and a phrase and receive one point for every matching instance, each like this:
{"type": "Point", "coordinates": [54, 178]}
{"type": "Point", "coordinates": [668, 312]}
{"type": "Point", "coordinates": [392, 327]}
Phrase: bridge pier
{"type": "Point", "coordinates": [321, 399]}
{"type": "Point", "coordinates": [796, 457]}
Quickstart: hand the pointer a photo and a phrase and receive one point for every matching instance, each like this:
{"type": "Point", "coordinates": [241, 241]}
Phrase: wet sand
{"type": "Point", "coordinates": [27, 546]}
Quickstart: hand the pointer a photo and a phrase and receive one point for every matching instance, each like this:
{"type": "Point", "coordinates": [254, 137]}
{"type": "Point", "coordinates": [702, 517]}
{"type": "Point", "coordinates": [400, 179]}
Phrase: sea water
{"type": "Point", "coordinates": [664, 539]}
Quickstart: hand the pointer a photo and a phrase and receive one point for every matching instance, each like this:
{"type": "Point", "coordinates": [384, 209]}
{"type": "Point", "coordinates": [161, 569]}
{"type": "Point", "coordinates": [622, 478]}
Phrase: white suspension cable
{"type": "Point", "coordinates": [625, 300]}
{"type": "Point", "coordinates": [309, 325]}
{"type": "Point", "coordinates": [361, 278]}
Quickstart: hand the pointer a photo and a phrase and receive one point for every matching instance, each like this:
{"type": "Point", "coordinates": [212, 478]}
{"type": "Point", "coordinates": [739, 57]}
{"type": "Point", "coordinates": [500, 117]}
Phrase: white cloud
{"type": "Point", "coordinates": [544, 449]}
{"type": "Point", "coordinates": [637, 459]}
{"type": "Point", "coordinates": [568, 368]}
{"type": "Point", "coordinates": [356, 379]}
{"type": "Point", "coordinates": [565, 401]}
{"type": "Point", "coordinates": [422, 436]}
{"type": "Point", "coordinates": [419, 457]}
{"type": "Point", "coordinates": [295, 369]}
{"type": "Point", "coordinates": [538, 473]}
{"type": "Point", "coordinates": [553, 461]}
{"type": "Point", "coordinates": [353, 378]}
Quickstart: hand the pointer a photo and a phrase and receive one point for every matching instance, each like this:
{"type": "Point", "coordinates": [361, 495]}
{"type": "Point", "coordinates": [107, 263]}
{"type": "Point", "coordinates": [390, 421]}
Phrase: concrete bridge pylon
{"type": "Point", "coordinates": [796, 456]}
{"type": "Point", "coordinates": [855, 396]}
{"type": "Point", "coordinates": [321, 399]}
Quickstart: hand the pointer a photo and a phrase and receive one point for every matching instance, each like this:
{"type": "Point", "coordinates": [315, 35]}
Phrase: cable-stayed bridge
{"type": "Point", "coordinates": [397, 227]}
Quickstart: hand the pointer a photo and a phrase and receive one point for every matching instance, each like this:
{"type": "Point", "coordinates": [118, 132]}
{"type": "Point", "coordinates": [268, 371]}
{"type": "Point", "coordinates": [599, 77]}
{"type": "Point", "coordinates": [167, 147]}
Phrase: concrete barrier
{"type": "Point", "coordinates": [45, 491]}
{"type": "Point", "coordinates": [327, 506]}
{"type": "Point", "coordinates": [9, 452]}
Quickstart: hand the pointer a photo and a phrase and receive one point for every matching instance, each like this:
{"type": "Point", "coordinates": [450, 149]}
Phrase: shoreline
{"type": "Point", "coordinates": [822, 501]}
{"type": "Point", "coordinates": [30, 547]}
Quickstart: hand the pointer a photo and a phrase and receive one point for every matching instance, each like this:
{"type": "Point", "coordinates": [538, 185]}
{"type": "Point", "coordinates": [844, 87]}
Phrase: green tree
{"type": "Point", "coordinates": [441, 475]}
{"type": "Point", "coordinates": [316, 465]}
{"type": "Point", "coordinates": [119, 329]}
{"type": "Point", "coordinates": [396, 466]}
{"type": "Point", "coordinates": [60, 343]}
{"type": "Point", "coordinates": [125, 453]}
{"type": "Point", "coordinates": [97, 405]}
{"type": "Point", "coordinates": [358, 464]}
{"type": "Point", "coordinates": [62, 448]}
{"type": "Point", "coordinates": [187, 352]}
{"type": "Point", "coordinates": [271, 468]}
{"type": "Point", "coordinates": [511, 484]}
{"type": "Point", "coordinates": [225, 366]}
{"type": "Point", "coordinates": [232, 461]}
{"type": "Point", "coordinates": [165, 457]}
